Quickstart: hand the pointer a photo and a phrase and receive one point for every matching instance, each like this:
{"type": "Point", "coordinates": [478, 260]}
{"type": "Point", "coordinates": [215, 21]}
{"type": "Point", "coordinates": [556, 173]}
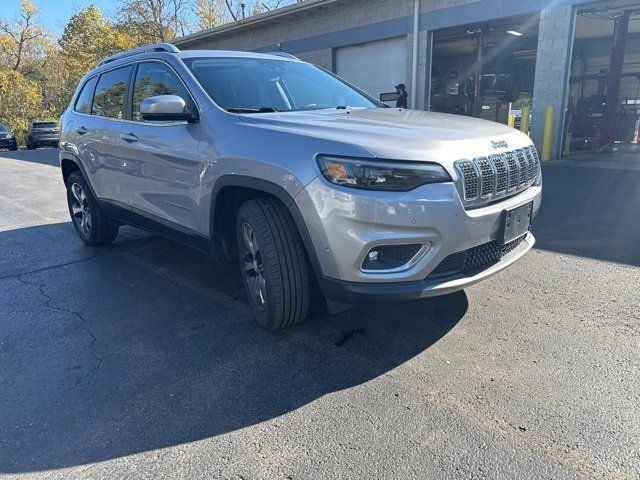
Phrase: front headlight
{"type": "Point", "coordinates": [371, 174]}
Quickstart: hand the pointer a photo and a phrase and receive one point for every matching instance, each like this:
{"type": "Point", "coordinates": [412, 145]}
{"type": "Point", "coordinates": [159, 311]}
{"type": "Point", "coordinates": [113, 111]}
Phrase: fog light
{"type": "Point", "coordinates": [393, 257]}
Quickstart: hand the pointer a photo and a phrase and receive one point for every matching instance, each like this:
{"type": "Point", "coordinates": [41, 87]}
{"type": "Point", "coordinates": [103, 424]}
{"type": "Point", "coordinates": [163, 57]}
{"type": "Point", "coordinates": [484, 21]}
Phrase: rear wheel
{"type": "Point", "coordinates": [273, 263]}
{"type": "Point", "coordinates": [92, 226]}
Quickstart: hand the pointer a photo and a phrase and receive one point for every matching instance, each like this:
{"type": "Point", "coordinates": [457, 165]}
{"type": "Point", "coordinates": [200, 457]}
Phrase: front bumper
{"type": "Point", "coordinates": [344, 224]}
{"type": "Point", "coordinates": [360, 292]}
{"type": "Point", "coordinates": [7, 142]}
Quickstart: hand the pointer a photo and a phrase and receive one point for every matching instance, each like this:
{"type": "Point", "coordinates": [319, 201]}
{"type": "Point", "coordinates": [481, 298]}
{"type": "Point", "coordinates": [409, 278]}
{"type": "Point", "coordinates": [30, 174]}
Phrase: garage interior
{"type": "Point", "coordinates": [604, 98]}
{"type": "Point", "coordinates": [485, 70]}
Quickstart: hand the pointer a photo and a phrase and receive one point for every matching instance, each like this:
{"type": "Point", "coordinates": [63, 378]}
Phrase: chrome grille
{"type": "Point", "coordinates": [469, 178]}
{"type": "Point", "coordinates": [501, 172]}
{"type": "Point", "coordinates": [495, 176]}
{"type": "Point", "coordinates": [533, 161]}
{"type": "Point", "coordinates": [514, 170]}
{"type": "Point", "coordinates": [523, 166]}
{"type": "Point", "coordinates": [487, 176]}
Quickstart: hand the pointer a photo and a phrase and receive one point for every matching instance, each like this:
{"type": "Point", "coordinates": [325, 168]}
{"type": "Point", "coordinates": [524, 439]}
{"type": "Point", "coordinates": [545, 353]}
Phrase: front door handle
{"type": "Point", "coordinates": [129, 137]}
{"type": "Point", "coordinates": [81, 130]}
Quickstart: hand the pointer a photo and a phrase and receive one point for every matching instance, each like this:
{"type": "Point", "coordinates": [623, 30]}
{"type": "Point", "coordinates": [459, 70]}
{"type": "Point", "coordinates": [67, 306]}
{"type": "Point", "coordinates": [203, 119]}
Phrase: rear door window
{"type": "Point", "coordinates": [156, 78]}
{"type": "Point", "coordinates": [83, 103]}
{"type": "Point", "coordinates": [109, 99]}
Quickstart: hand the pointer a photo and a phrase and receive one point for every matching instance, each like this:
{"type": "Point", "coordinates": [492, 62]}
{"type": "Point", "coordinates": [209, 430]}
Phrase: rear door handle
{"type": "Point", "coordinates": [81, 131]}
{"type": "Point", "coordinates": [129, 137]}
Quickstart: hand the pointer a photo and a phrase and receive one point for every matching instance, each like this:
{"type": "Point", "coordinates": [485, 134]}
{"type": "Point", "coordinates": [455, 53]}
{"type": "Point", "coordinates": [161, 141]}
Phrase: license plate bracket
{"type": "Point", "coordinates": [515, 223]}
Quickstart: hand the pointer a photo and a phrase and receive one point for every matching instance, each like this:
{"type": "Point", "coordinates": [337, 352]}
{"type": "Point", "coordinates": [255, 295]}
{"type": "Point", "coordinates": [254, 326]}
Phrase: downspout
{"type": "Point", "coordinates": [414, 54]}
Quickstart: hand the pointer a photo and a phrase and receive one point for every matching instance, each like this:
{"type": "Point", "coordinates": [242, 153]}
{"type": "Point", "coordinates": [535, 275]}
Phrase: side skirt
{"type": "Point", "coordinates": [132, 216]}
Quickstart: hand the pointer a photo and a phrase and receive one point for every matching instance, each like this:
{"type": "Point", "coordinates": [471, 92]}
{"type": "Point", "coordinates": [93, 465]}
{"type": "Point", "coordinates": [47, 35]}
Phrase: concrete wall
{"type": "Point", "coordinates": [555, 39]}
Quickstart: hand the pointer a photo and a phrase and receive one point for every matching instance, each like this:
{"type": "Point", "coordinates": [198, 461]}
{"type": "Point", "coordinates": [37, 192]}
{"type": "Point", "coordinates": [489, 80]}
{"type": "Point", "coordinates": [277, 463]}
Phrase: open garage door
{"type": "Point", "coordinates": [375, 67]}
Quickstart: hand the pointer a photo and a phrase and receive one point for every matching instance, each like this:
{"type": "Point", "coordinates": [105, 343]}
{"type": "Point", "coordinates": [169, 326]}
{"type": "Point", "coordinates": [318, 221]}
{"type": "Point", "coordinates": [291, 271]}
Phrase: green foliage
{"type": "Point", "coordinates": [88, 38]}
{"type": "Point", "coordinates": [20, 102]}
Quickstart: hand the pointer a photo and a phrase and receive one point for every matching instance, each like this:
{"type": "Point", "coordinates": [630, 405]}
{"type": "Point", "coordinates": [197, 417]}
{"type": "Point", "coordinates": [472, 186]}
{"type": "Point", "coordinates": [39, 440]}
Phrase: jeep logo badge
{"type": "Point", "coordinates": [500, 144]}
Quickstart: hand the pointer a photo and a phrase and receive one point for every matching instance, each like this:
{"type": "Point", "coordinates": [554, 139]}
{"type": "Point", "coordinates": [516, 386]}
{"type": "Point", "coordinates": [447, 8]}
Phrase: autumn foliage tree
{"type": "Point", "coordinates": [88, 38]}
{"type": "Point", "coordinates": [20, 101]}
{"type": "Point", "coordinates": [39, 72]}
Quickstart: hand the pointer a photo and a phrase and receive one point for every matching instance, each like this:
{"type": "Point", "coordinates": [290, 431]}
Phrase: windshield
{"type": "Point", "coordinates": [256, 85]}
{"type": "Point", "coordinates": [3, 128]}
{"type": "Point", "coordinates": [44, 124]}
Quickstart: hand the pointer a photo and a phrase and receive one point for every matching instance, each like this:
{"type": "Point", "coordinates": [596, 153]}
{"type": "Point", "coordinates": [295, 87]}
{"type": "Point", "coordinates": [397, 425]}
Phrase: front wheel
{"type": "Point", "coordinates": [273, 263]}
{"type": "Point", "coordinates": [91, 224]}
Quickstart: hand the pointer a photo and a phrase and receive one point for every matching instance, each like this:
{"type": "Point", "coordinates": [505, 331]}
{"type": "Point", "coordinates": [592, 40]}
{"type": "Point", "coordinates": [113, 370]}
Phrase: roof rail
{"type": "Point", "coordinates": [283, 54]}
{"type": "Point", "coordinates": [157, 47]}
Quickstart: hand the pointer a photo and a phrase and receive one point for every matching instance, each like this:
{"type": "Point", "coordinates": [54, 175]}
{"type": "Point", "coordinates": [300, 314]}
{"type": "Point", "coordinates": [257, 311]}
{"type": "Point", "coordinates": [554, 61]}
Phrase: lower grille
{"type": "Point", "coordinates": [474, 260]}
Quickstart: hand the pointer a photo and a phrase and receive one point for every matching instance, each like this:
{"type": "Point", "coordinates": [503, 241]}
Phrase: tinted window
{"type": "Point", "coordinates": [83, 103]}
{"type": "Point", "coordinates": [45, 124]}
{"type": "Point", "coordinates": [255, 84]}
{"type": "Point", "coordinates": [108, 100]}
{"type": "Point", "coordinates": [155, 78]}
{"type": "Point", "coordinates": [3, 128]}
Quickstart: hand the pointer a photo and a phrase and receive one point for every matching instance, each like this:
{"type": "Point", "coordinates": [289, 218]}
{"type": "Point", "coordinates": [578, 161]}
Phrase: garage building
{"type": "Point", "coordinates": [494, 59]}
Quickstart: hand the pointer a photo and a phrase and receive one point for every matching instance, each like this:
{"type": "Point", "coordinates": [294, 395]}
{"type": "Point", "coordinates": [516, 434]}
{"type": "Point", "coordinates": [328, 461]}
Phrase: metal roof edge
{"type": "Point", "coordinates": [245, 22]}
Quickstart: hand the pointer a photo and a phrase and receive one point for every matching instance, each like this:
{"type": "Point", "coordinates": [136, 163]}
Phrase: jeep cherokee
{"type": "Point", "coordinates": [302, 179]}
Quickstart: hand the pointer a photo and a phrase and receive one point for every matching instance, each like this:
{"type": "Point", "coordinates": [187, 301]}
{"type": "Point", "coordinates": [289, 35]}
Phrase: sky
{"type": "Point", "coordinates": [54, 14]}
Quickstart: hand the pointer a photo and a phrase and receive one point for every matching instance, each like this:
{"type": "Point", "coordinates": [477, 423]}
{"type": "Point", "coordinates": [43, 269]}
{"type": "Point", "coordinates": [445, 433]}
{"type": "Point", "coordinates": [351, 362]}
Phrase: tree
{"type": "Point", "coordinates": [210, 13]}
{"type": "Point", "coordinates": [238, 9]}
{"type": "Point", "coordinates": [88, 38]}
{"type": "Point", "coordinates": [153, 21]}
{"type": "Point", "coordinates": [21, 41]}
{"type": "Point", "coordinates": [20, 102]}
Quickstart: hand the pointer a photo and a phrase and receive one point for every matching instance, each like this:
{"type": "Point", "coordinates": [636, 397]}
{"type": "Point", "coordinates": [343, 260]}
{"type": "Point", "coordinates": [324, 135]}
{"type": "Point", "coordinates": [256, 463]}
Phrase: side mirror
{"type": "Point", "coordinates": [166, 108]}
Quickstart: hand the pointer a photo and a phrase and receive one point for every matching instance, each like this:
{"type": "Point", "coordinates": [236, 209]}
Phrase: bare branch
{"type": "Point", "coordinates": [231, 12]}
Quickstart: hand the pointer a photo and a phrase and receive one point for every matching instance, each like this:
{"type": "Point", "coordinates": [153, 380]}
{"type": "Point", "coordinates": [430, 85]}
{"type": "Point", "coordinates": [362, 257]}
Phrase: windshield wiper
{"type": "Point", "coordinates": [251, 110]}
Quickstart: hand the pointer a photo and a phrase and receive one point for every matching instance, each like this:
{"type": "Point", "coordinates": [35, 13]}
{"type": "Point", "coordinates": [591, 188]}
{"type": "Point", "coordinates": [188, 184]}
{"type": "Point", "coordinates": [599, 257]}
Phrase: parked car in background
{"type": "Point", "coordinates": [43, 134]}
{"type": "Point", "coordinates": [7, 138]}
{"type": "Point", "coordinates": [298, 177]}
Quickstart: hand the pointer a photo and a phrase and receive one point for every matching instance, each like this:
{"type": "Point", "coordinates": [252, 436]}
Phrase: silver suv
{"type": "Point", "coordinates": [310, 184]}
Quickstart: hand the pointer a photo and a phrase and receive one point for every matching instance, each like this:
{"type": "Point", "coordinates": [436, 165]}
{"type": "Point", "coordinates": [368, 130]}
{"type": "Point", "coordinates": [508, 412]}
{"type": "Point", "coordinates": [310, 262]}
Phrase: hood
{"type": "Point", "coordinates": [399, 134]}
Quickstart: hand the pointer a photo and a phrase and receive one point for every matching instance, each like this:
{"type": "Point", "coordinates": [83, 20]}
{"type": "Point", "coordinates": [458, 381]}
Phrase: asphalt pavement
{"type": "Point", "coordinates": [141, 360]}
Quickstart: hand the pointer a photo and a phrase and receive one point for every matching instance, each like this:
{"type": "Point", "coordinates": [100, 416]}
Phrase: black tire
{"type": "Point", "coordinates": [280, 261]}
{"type": "Point", "coordinates": [101, 230]}
{"type": "Point", "coordinates": [13, 148]}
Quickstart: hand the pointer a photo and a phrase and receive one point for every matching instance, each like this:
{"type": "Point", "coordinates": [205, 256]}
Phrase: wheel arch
{"type": "Point", "coordinates": [68, 165]}
{"type": "Point", "coordinates": [229, 192]}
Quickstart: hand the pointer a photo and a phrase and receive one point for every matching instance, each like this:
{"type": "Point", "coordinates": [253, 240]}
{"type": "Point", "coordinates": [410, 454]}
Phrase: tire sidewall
{"type": "Point", "coordinates": [264, 316]}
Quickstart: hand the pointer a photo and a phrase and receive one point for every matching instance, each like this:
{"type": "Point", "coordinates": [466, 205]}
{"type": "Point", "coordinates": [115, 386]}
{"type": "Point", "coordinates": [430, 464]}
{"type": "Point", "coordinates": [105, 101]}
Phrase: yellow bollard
{"type": "Point", "coordinates": [512, 120]}
{"type": "Point", "coordinates": [526, 117]}
{"type": "Point", "coordinates": [548, 134]}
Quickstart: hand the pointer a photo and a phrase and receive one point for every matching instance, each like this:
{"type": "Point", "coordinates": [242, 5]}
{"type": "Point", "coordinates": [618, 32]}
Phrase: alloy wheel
{"type": "Point", "coordinates": [252, 267]}
{"type": "Point", "coordinates": [80, 209]}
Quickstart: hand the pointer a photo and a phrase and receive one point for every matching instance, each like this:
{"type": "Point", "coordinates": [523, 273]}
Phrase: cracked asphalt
{"type": "Point", "coordinates": [140, 360]}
